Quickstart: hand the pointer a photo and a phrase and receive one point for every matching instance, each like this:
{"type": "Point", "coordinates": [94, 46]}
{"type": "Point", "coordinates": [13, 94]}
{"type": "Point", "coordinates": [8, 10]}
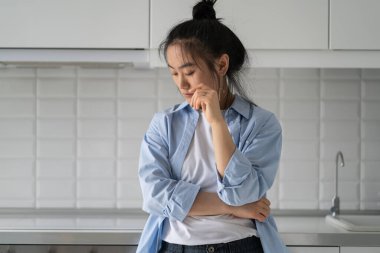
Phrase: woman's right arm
{"type": "Point", "coordinates": [162, 194]}
{"type": "Point", "coordinates": [208, 203]}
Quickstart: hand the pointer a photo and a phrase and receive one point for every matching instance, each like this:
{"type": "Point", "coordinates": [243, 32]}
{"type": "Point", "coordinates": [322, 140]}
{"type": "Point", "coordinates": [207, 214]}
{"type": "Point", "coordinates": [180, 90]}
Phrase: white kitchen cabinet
{"type": "Point", "coordinates": [360, 249]}
{"type": "Point", "coordinates": [355, 24]}
{"type": "Point", "coordinates": [295, 249]}
{"type": "Point", "coordinates": [270, 24]}
{"type": "Point", "coordinates": [74, 24]}
{"type": "Point", "coordinates": [164, 15]}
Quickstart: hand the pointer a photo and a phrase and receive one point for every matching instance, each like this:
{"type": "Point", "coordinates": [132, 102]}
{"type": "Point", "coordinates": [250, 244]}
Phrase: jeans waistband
{"type": "Point", "coordinates": [249, 244]}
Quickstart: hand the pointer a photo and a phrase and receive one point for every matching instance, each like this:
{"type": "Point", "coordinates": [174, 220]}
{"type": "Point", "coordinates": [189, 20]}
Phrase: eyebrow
{"type": "Point", "coordinates": [187, 64]}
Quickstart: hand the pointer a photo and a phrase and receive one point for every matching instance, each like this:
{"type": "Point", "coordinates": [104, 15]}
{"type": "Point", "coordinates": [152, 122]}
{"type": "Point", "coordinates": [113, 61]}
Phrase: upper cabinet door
{"type": "Point", "coordinates": [260, 24]}
{"type": "Point", "coordinates": [355, 24]}
{"type": "Point", "coordinates": [74, 23]}
{"type": "Point", "coordinates": [164, 15]}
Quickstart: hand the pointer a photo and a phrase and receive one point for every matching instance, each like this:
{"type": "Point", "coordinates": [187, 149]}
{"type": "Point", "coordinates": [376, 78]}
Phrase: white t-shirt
{"type": "Point", "coordinates": [199, 168]}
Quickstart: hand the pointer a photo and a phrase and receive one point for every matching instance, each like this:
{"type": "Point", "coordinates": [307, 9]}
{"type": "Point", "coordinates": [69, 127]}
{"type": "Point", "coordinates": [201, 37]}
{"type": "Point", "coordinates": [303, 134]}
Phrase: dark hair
{"type": "Point", "coordinates": [207, 38]}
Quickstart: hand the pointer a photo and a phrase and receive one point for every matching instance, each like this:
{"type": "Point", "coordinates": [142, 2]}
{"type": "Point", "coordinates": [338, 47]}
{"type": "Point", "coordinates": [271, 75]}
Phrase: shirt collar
{"type": "Point", "coordinates": [182, 106]}
{"type": "Point", "coordinates": [241, 106]}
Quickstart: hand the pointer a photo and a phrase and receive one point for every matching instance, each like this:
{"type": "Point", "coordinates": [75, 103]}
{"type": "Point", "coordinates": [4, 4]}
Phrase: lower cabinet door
{"type": "Point", "coordinates": [295, 249]}
{"type": "Point", "coordinates": [360, 249]}
{"type": "Point", "coordinates": [67, 249]}
{"type": "Point", "coordinates": [115, 249]}
{"type": "Point", "coordinates": [23, 248]}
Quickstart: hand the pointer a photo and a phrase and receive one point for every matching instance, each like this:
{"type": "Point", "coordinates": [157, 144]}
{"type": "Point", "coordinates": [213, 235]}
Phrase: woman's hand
{"type": "Point", "coordinates": [207, 100]}
{"type": "Point", "coordinates": [258, 210]}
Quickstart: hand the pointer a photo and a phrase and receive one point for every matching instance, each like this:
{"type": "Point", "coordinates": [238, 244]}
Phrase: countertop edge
{"type": "Point", "coordinates": [123, 237]}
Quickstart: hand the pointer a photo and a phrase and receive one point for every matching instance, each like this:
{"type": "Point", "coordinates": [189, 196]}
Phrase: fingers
{"type": "Point", "coordinates": [199, 87]}
{"type": "Point", "coordinates": [259, 210]}
{"type": "Point", "coordinates": [196, 99]}
{"type": "Point", "coordinates": [263, 203]}
{"type": "Point", "coordinates": [202, 95]}
{"type": "Point", "coordinates": [263, 209]}
{"type": "Point", "coordinates": [267, 201]}
{"type": "Point", "coordinates": [261, 217]}
{"type": "Point", "coordinates": [261, 214]}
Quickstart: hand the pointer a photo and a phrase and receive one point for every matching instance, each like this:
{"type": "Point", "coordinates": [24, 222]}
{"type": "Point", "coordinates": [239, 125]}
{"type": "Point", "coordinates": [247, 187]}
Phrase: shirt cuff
{"type": "Point", "coordinates": [182, 200]}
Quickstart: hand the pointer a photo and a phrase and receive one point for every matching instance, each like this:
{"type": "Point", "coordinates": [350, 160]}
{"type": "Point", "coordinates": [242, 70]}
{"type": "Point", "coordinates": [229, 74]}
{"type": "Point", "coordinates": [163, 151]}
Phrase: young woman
{"type": "Point", "coordinates": [206, 164]}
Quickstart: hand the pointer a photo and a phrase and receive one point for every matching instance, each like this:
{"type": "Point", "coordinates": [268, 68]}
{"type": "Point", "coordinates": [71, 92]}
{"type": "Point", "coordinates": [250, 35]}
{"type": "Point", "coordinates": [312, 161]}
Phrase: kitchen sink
{"type": "Point", "coordinates": [356, 222]}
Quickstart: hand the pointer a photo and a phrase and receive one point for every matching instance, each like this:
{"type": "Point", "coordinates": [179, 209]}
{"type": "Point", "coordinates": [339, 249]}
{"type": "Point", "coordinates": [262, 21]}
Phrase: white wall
{"type": "Point", "coordinates": [69, 137]}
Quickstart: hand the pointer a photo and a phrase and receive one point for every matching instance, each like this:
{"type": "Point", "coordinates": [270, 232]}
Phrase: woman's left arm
{"type": "Point", "coordinates": [207, 99]}
{"type": "Point", "coordinates": [244, 175]}
{"type": "Point", "coordinates": [224, 147]}
{"type": "Point", "coordinates": [250, 172]}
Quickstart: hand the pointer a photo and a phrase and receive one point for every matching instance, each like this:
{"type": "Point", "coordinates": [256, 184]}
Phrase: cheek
{"type": "Point", "coordinates": [210, 82]}
{"type": "Point", "coordinates": [175, 81]}
{"type": "Point", "coordinates": [200, 79]}
{"type": "Point", "coordinates": [207, 79]}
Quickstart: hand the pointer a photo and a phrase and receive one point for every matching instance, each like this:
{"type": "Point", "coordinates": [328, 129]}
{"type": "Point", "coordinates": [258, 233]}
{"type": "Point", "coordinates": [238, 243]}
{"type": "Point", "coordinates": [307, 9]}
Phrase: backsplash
{"type": "Point", "coordinates": [70, 136]}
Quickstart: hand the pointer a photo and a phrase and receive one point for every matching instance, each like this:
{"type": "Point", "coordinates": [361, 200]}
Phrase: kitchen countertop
{"type": "Point", "coordinates": [124, 228]}
{"type": "Point", "coordinates": [309, 230]}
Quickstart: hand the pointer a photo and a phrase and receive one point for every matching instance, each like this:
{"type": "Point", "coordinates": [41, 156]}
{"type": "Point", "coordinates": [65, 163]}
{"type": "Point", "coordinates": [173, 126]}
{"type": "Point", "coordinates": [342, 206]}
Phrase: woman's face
{"type": "Point", "coordinates": [188, 74]}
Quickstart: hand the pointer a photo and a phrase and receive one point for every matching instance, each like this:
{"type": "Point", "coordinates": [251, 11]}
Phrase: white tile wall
{"type": "Point", "coordinates": [70, 137]}
{"type": "Point", "coordinates": [56, 87]}
{"type": "Point", "coordinates": [17, 128]}
{"type": "Point", "coordinates": [55, 168]}
{"type": "Point", "coordinates": [17, 107]}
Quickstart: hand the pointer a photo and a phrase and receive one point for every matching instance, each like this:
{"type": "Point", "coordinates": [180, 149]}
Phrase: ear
{"type": "Point", "coordinates": [222, 64]}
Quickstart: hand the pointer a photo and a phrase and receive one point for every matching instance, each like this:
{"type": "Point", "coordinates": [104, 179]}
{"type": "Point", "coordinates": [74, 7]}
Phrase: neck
{"type": "Point", "coordinates": [227, 100]}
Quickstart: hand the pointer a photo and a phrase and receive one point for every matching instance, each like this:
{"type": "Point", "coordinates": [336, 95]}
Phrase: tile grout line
{"type": "Point", "coordinates": [35, 137]}
{"type": "Point", "coordinates": [76, 182]}
{"type": "Point", "coordinates": [320, 137]}
{"type": "Point", "coordinates": [279, 78]}
{"type": "Point", "coordinates": [116, 138]}
{"type": "Point", "coordinates": [361, 158]}
{"type": "Point", "coordinates": [157, 90]}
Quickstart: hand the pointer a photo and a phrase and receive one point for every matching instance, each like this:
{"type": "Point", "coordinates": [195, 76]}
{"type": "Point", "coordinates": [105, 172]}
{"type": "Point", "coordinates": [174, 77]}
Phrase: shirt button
{"type": "Point", "coordinates": [210, 249]}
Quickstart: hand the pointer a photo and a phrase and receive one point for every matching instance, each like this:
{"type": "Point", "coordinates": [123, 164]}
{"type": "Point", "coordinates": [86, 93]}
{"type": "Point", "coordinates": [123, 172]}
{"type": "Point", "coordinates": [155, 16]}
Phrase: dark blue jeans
{"type": "Point", "coordinates": [247, 245]}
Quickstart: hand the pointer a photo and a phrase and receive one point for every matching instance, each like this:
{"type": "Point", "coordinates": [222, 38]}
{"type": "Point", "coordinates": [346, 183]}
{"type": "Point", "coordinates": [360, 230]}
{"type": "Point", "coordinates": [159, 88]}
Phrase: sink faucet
{"type": "Point", "coordinates": [334, 210]}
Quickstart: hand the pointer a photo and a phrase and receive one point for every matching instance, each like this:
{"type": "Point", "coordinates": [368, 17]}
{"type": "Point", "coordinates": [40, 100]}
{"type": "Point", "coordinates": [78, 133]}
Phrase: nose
{"type": "Point", "coordinates": [183, 83]}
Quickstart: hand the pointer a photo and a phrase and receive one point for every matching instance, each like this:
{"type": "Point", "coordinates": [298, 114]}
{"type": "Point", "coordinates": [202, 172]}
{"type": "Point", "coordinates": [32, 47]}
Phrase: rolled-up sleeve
{"type": "Point", "coordinates": [251, 170]}
{"type": "Point", "coordinates": [162, 195]}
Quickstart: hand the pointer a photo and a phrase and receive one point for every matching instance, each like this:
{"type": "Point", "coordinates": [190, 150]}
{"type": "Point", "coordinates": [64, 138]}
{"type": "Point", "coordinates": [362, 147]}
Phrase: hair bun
{"type": "Point", "coordinates": [204, 10]}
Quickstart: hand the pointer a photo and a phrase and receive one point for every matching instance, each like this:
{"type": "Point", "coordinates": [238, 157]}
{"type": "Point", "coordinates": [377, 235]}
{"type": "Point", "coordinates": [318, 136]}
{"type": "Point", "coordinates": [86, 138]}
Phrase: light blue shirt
{"type": "Point", "coordinates": [248, 175]}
